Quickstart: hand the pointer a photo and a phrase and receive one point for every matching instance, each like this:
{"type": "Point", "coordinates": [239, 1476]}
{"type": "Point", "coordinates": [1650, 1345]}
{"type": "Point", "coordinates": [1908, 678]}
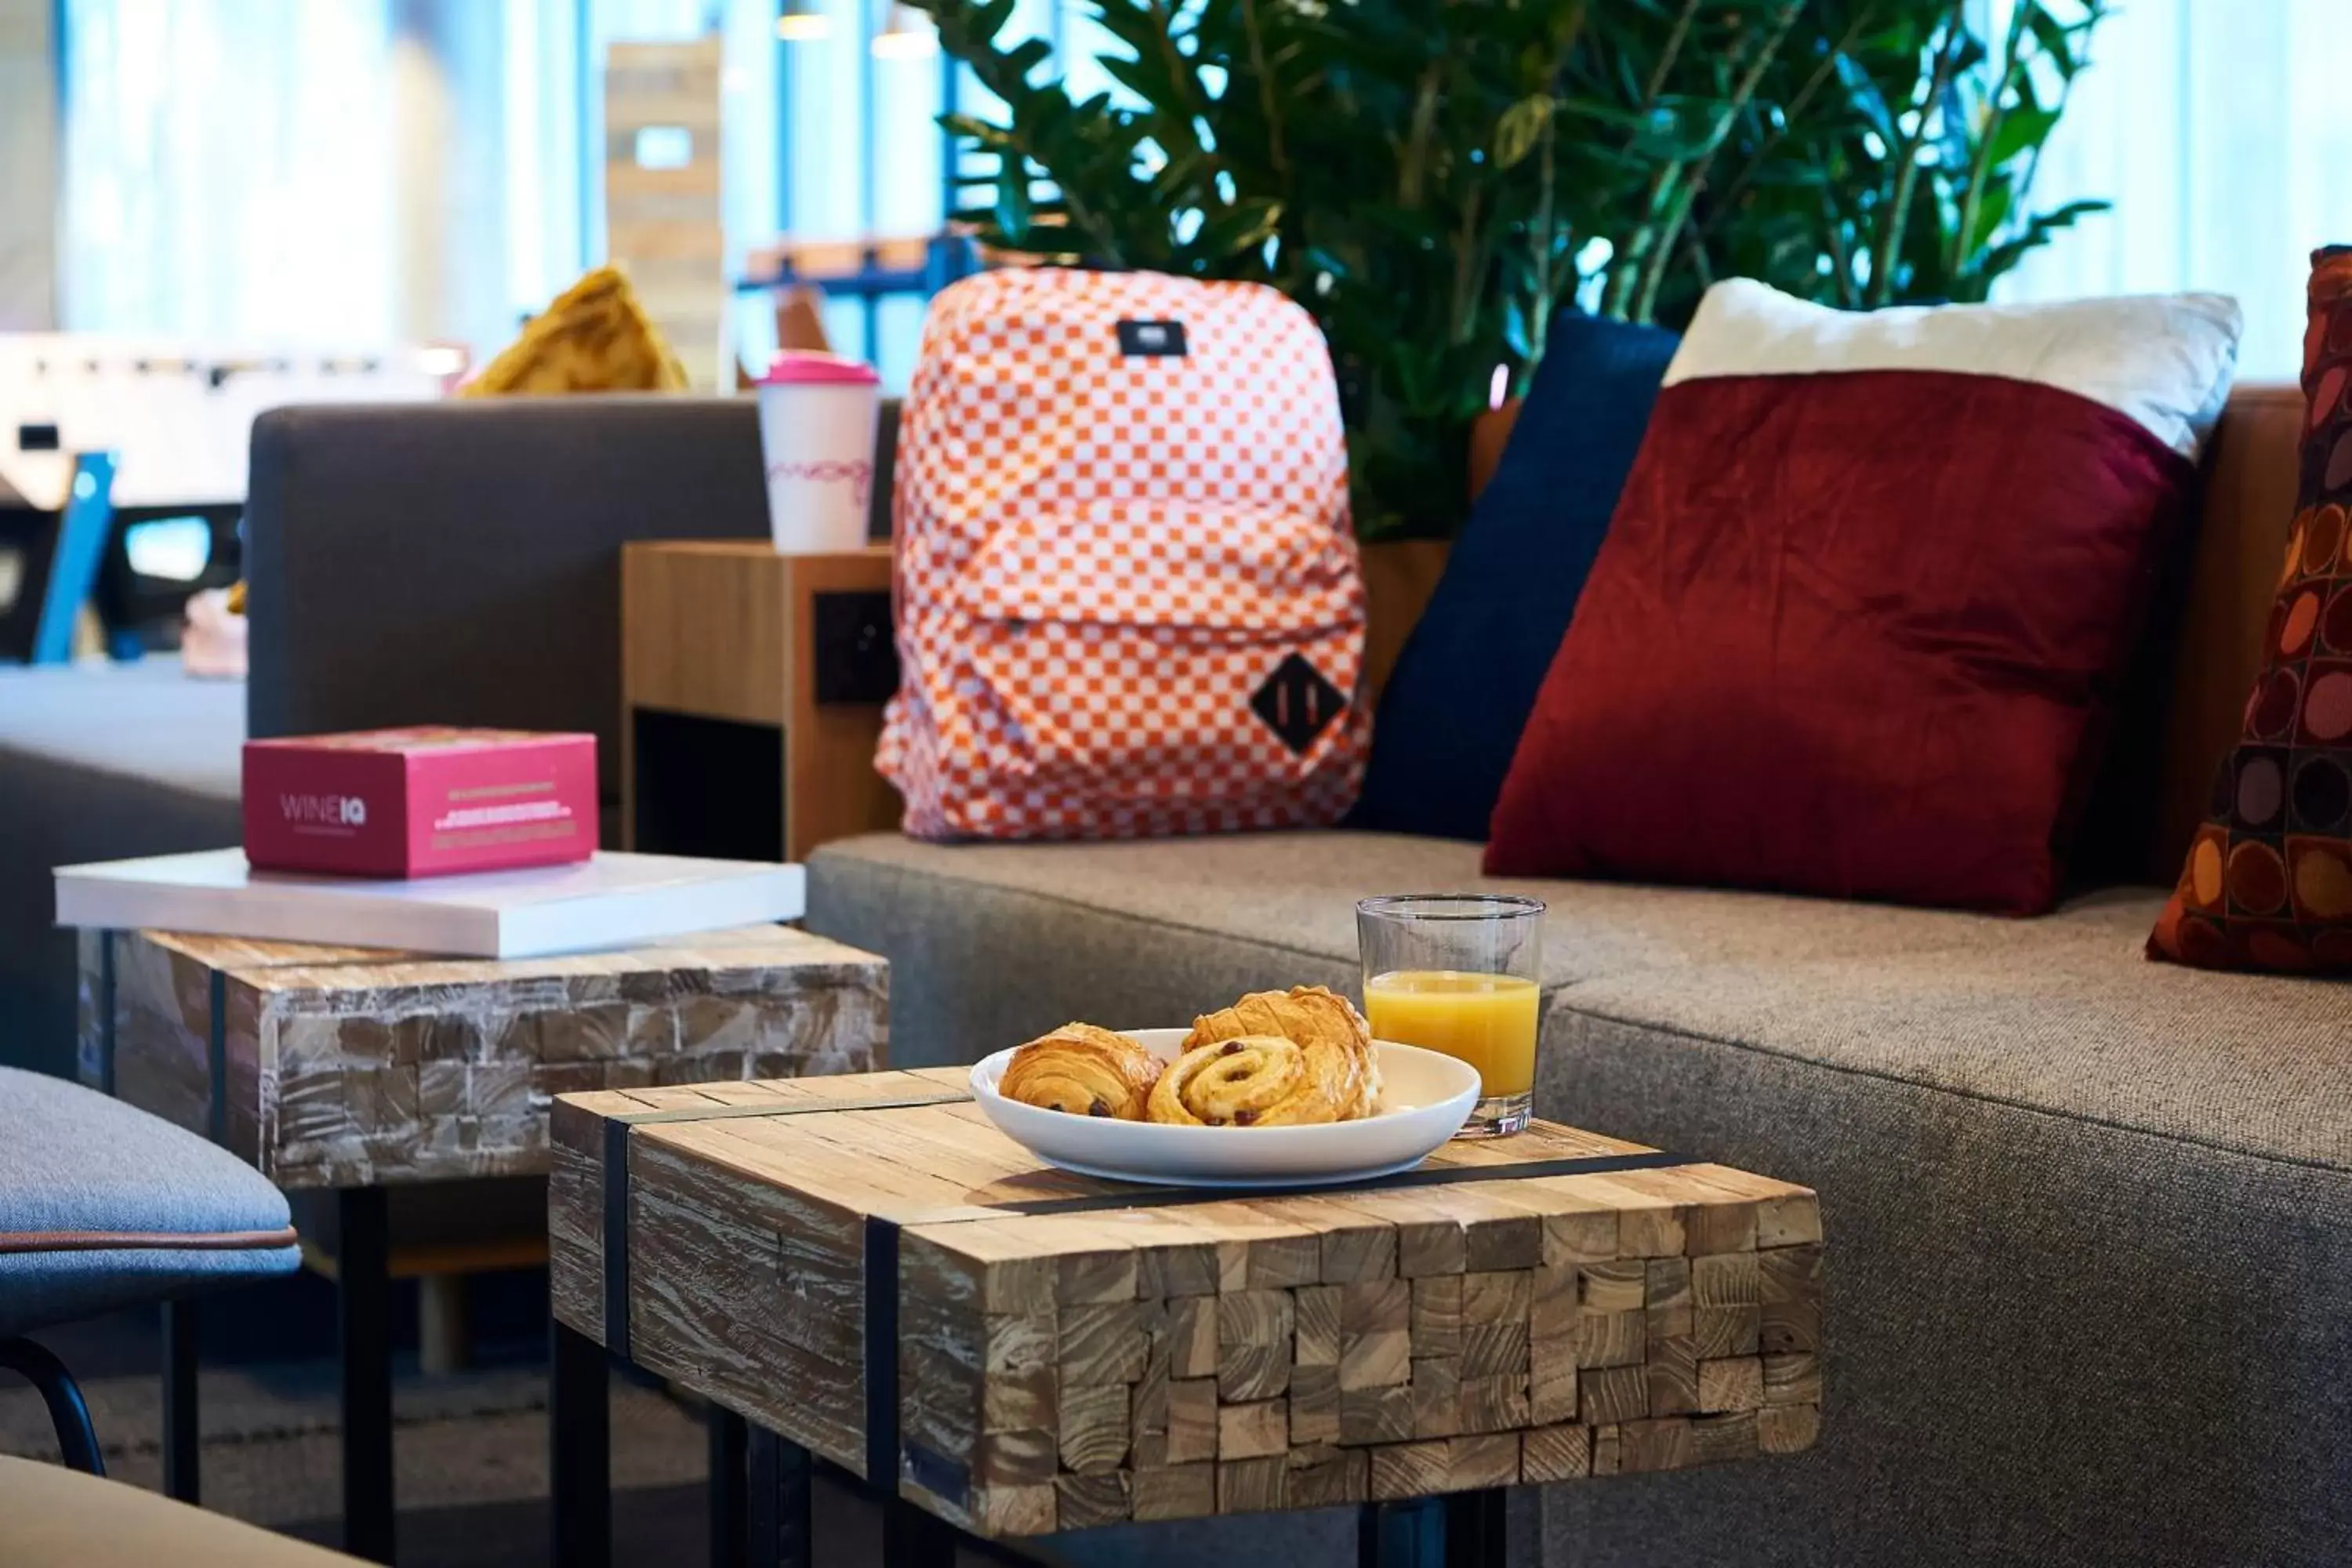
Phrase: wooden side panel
{"type": "Point", "coordinates": [347, 1067]}
{"type": "Point", "coordinates": [1219, 1353]}
{"type": "Point", "coordinates": [831, 790]}
{"type": "Point", "coordinates": [575, 1229]}
{"type": "Point", "coordinates": [702, 629]}
{"type": "Point", "coordinates": [728, 629]}
{"type": "Point", "coordinates": [163, 1030]}
{"type": "Point", "coordinates": [750, 1295]}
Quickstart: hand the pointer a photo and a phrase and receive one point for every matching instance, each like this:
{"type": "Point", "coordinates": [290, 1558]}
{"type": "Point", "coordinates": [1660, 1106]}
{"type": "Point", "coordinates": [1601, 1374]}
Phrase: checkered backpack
{"type": "Point", "coordinates": [1128, 601]}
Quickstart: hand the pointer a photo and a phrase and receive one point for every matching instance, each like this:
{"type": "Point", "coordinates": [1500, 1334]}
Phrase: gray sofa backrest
{"type": "Point", "coordinates": [459, 562]}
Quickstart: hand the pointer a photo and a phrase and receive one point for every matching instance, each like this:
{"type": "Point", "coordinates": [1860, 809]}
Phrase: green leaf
{"type": "Point", "coordinates": [1242, 227]}
{"type": "Point", "coordinates": [2057, 39]}
{"type": "Point", "coordinates": [1992, 211]}
{"type": "Point", "coordinates": [1012, 209]}
{"type": "Point", "coordinates": [1519, 129]}
{"type": "Point", "coordinates": [977, 130]}
{"type": "Point", "coordinates": [1027, 56]}
{"type": "Point", "coordinates": [1681, 129]}
{"type": "Point", "coordinates": [2020, 130]}
{"type": "Point", "coordinates": [1148, 82]}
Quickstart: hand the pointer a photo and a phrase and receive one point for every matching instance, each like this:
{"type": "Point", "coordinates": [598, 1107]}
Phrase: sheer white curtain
{"type": "Point", "coordinates": [2220, 128]}
{"type": "Point", "coordinates": [358, 172]}
{"type": "Point", "coordinates": [228, 170]}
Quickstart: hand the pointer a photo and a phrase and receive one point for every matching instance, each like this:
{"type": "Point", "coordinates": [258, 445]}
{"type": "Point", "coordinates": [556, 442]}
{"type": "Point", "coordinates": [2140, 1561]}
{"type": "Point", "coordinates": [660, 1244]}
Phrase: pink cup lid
{"type": "Point", "coordinates": [805, 367]}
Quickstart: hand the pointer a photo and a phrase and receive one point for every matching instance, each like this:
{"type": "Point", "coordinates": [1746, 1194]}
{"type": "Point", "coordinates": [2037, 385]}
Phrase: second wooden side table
{"type": "Point", "coordinates": [866, 1271]}
{"type": "Point", "coordinates": [355, 1070]}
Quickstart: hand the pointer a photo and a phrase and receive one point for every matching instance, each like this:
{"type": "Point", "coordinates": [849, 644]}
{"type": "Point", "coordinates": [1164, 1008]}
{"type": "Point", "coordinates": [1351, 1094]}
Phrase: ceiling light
{"type": "Point", "coordinates": [905, 36]}
{"type": "Point", "coordinates": [800, 22]}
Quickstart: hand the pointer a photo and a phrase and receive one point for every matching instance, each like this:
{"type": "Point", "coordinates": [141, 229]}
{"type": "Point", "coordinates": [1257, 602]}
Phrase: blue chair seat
{"type": "Point", "coordinates": [104, 1206]}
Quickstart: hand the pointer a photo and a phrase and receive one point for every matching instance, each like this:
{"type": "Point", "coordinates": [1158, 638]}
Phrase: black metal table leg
{"type": "Point", "coordinates": [1402, 1534]}
{"type": "Point", "coordinates": [363, 1308]}
{"type": "Point", "coordinates": [580, 1450]}
{"type": "Point", "coordinates": [182, 1441]}
{"type": "Point", "coordinates": [729, 1442]}
{"type": "Point", "coordinates": [1462, 1531]}
{"type": "Point", "coordinates": [1473, 1528]}
{"type": "Point", "coordinates": [782, 1535]}
{"type": "Point", "coordinates": [913, 1538]}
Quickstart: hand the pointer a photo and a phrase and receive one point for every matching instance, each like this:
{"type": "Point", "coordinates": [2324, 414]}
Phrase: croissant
{"type": "Point", "coordinates": [1085, 1071]}
{"type": "Point", "coordinates": [1257, 1080]}
{"type": "Point", "coordinates": [1336, 1040]}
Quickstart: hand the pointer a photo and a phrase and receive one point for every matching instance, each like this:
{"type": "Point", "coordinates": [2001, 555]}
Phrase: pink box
{"type": "Point", "coordinates": [424, 802]}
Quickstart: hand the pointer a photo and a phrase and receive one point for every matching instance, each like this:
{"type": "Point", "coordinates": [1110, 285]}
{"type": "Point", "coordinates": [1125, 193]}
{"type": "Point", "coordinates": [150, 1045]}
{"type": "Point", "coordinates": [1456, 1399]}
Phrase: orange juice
{"type": "Point", "coordinates": [1487, 1020]}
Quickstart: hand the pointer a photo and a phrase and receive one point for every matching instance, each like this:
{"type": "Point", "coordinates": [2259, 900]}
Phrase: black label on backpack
{"type": "Point", "coordinates": [1297, 702]}
{"type": "Point", "coordinates": [1151, 340]}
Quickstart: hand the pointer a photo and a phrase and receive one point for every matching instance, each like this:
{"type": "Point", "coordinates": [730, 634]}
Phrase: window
{"type": "Point", "coordinates": [351, 173]}
{"type": "Point", "coordinates": [2217, 128]}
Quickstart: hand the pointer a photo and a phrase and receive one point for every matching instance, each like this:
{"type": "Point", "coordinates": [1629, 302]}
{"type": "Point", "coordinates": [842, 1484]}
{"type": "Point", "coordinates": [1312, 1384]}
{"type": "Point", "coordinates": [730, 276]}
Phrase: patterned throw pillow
{"type": "Point", "coordinates": [2268, 884]}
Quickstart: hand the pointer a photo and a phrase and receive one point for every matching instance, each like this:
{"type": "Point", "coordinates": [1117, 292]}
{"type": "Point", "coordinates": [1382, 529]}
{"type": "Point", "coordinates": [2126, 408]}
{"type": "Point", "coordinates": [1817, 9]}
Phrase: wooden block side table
{"type": "Point", "coordinates": [355, 1070]}
{"type": "Point", "coordinates": [867, 1271]}
{"type": "Point", "coordinates": [751, 693]}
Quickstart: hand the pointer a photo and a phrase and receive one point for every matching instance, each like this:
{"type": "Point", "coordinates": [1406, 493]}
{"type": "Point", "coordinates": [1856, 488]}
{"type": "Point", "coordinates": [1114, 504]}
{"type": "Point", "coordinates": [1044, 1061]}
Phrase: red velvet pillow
{"type": "Point", "coordinates": [1867, 596]}
{"type": "Point", "coordinates": [2268, 883]}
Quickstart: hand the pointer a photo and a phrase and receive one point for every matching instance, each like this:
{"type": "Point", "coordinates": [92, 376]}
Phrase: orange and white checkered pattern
{"type": "Point", "coordinates": [1103, 559]}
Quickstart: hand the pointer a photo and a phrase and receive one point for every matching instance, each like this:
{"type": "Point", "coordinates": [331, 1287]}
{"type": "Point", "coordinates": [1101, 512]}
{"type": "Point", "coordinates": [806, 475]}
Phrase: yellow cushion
{"type": "Point", "coordinates": [595, 338]}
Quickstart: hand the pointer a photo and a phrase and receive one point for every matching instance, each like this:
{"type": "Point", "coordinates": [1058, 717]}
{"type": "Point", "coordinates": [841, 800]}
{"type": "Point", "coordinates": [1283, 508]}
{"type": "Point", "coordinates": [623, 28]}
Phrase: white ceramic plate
{"type": "Point", "coordinates": [1424, 1099]}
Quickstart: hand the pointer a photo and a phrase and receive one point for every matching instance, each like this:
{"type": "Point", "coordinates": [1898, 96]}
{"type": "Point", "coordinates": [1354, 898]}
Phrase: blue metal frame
{"type": "Point", "coordinates": [870, 17]}
{"type": "Point", "coordinates": [83, 528]}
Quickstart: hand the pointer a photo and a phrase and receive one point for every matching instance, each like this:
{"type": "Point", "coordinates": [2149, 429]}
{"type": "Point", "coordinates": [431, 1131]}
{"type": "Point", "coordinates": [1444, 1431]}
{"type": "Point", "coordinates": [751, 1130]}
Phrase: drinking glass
{"type": "Point", "coordinates": [1459, 973]}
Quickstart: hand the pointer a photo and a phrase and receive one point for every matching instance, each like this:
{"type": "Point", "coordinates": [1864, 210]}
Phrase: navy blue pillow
{"type": "Point", "coordinates": [1464, 686]}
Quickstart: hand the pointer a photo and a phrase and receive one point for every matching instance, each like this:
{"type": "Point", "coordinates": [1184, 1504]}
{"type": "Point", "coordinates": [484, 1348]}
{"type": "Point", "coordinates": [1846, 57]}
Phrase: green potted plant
{"type": "Point", "coordinates": [1433, 179]}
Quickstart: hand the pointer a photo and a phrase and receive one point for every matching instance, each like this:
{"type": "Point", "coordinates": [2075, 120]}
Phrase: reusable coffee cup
{"type": "Point", "coordinates": [817, 414]}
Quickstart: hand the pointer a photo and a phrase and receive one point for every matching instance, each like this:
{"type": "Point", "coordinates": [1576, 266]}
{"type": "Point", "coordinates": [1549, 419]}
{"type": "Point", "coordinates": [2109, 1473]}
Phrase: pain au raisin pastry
{"type": "Point", "coordinates": [1257, 1080]}
{"type": "Point", "coordinates": [1085, 1071]}
{"type": "Point", "coordinates": [1323, 1024]}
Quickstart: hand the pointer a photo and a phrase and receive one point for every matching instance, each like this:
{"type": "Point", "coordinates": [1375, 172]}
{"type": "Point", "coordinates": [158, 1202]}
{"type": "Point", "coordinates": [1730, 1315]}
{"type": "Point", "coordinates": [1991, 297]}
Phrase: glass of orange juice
{"type": "Point", "coordinates": [1460, 972]}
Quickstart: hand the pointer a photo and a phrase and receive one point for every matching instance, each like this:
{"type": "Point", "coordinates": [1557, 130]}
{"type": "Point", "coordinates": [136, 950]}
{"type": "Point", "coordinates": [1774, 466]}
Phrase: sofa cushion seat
{"type": "Point", "coordinates": [2074, 1023]}
{"type": "Point", "coordinates": [103, 1206]}
{"type": "Point", "coordinates": [992, 943]}
{"type": "Point", "coordinates": [97, 762]}
{"type": "Point", "coordinates": [2077, 1204]}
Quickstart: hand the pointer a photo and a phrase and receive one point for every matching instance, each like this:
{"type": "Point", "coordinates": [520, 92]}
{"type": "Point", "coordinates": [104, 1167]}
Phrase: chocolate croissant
{"type": "Point", "coordinates": [1324, 1024]}
{"type": "Point", "coordinates": [1257, 1080]}
{"type": "Point", "coordinates": [1085, 1071]}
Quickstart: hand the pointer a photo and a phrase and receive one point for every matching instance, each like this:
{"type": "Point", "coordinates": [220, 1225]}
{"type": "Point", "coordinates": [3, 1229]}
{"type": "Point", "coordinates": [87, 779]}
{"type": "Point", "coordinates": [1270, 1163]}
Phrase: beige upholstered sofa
{"type": "Point", "coordinates": [2089, 1217]}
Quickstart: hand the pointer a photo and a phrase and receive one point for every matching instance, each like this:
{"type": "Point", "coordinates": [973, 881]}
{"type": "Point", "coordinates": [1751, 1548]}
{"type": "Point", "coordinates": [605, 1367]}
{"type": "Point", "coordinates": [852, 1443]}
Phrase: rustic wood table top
{"type": "Point", "coordinates": [337, 1067]}
{"type": "Point", "coordinates": [865, 1266]}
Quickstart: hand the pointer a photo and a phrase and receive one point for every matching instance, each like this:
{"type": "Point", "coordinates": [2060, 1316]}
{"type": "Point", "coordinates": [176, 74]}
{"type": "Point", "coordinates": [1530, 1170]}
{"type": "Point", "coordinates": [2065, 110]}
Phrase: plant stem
{"type": "Point", "coordinates": [1414, 165]}
{"type": "Point", "coordinates": [1668, 55]}
{"type": "Point", "coordinates": [1896, 218]}
{"type": "Point", "coordinates": [1469, 270]}
{"type": "Point", "coordinates": [1194, 109]}
{"type": "Point", "coordinates": [1660, 252]}
{"type": "Point", "coordinates": [2094, 12]}
{"type": "Point", "coordinates": [1841, 257]}
{"type": "Point", "coordinates": [1544, 241]}
{"type": "Point", "coordinates": [1980, 162]}
{"type": "Point", "coordinates": [1269, 103]}
{"type": "Point", "coordinates": [1789, 114]}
